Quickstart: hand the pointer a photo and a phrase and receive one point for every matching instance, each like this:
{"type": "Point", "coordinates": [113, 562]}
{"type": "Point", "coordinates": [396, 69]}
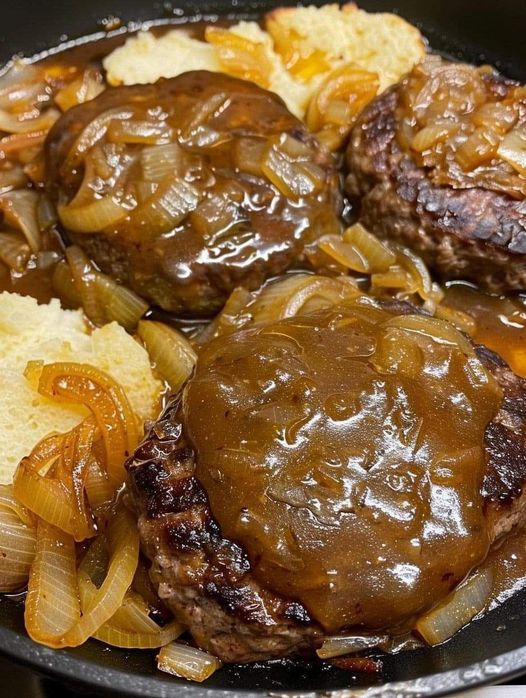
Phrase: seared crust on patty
{"type": "Point", "coordinates": [475, 234]}
{"type": "Point", "coordinates": [206, 579]}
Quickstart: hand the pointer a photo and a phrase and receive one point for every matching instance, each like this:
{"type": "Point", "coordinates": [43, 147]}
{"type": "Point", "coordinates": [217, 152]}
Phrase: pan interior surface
{"type": "Point", "coordinates": [489, 649]}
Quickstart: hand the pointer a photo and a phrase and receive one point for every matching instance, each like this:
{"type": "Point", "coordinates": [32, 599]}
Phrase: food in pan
{"type": "Point", "coordinates": [188, 188]}
{"type": "Point", "coordinates": [294, 52]}
{"type": "Point", "coordinates": [438, 163]}
{"type": "Point", "coordinates": [337, 470]}
{"type": "Point", "coordinates": [261, 425]}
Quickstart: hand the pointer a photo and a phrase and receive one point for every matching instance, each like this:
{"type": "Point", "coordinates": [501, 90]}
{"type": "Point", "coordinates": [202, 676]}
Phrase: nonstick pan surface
{"type": "Point", "coordinates": [489, 650]}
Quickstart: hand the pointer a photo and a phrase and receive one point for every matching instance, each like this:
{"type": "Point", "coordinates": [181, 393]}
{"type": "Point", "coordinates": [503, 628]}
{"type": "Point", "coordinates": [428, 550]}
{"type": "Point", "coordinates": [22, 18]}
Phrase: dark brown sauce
{"type": "Point", "coordinates": [335, 449]}
{"type": "Point", "coordinates": [501, 322]}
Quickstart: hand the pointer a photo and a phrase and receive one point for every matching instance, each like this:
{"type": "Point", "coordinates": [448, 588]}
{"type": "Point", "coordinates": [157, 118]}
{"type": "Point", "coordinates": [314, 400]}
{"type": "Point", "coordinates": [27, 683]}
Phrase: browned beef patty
{"type": "Point", "coordinates": [471, 233]}
{"type": "Point", "coordinates": [235, 222]}
{"type": "Point", "coordinates": [209, 581]}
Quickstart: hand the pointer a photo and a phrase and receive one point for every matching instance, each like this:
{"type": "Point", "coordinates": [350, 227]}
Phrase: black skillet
{"type": "Point", "coordinates": [490, 650]}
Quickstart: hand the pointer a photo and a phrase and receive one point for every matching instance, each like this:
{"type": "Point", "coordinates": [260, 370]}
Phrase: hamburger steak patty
{"type": "Point", "coordinates": [228, 193]}
{"type": "Point", "coordinates": [462, 231]}
{"type": "Point", "coordinates": [207, 579]}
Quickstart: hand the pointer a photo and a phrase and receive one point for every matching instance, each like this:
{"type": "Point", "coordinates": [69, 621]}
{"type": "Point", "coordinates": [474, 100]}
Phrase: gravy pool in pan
{"type": "Point", "coordinates": [332, 429]}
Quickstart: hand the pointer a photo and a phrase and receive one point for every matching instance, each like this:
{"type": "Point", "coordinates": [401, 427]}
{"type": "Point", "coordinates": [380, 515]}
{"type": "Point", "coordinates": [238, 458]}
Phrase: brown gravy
{"type": "Point", "coordinates": [501, 325]}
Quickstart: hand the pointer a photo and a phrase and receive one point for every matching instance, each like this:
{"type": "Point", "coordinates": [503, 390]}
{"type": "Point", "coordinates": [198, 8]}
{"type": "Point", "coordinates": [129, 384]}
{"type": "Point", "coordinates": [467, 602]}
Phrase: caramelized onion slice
{"type": "Point", "coordinates": [378, 255]}
{"type": "Point", "coordinates": [160, 161]}
{"type": "Point", "coordinates": [239, 56]}
{"type": "Point", "coordinates": [43, 122]}
{"type": "Point", "coordinates": [293, 178]}
{"type": "Point", "coordinates": [300, 294]}
{"type": "Point", "coordinates": [20, 211]}
{"type": "Point", "coordinates": [92, 217]}
{"type": "Point", "coordinates": [164, 210]}
{"type": "Point", "coordinates": [53, 490]}
{"type": "Point", "coordinates": [187, 662]}
{"type": "Point", "coordinates": [437, 330]}
{"type": "Point", "coordinates": [123, 544]}
{"type": "Point", "coordinates": [131, 626]}
{"type": "Point", "coordinates": [169, 350]}
{"type": "Point", "coordinates": [17, 541]}
{"type": "Point", "coordinates": [512, 149]}
{"type": "Point", "coordinates": [86, 385]}
{"type": "Point", "coordinates": [87, 86]}
{"type": "Point", "coordinates": [112, 634]}
{"type": "Point", "coordinates": [83, 275]}
{"type": "Point", "coordinates": [14, 251]}
{"type": "Point", "coordinates": [344, 253]}
{"type": "Point", "coordinates": [457, 609]}
{"type": "Point", "coordinates": [338, 646]}
{"type": "Point", "coordinates": [52, 603]}
{"type": "Point", "coordinates": [120, 303]}
{"type": "Point", "coordinates": [64, 285]}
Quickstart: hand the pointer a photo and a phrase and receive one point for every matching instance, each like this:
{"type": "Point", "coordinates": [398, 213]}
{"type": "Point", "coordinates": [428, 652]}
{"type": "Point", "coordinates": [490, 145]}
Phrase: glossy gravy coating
{"type": "Point", "coordinates": [501, 325]}
{"type": "Point", "coordinates": [346, 455]}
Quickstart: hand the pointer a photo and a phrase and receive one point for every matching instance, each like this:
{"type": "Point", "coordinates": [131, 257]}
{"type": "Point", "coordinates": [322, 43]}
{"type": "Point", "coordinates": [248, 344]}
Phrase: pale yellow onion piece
{"type": "Point", "coordinates": [92, 217]}
{"type": "Point", "coordinates": [512, 149]}
{"type": "Point", "coordinates": [414, 265]}
{"type": "Point", "coordinates": [49, 499]}
{"type": "Point", "coordinates": [9, 501]}
{"type": "Point", "coordinates": [20, 211]}
{"type": "Point", "coordinates": [301, 293]}
{"type": "Point", "coordinates": [457, 609]}
{"type": "Point", "coordinates": [292, 179]}
{"type": "Point", "coordinates": [98, 487]}
{"type": "Point", "coordinates": [462, 321]}
{"type": "Point", "coordinates": [12, 124]}
{"type": "Point", "coordinates": [83, 275]}
{"type": "Point", "coordinates": [14, 251]}
{"type": "Point", "coordinates": [428, 136]}
{"type": "Point", "coordinates": [82, 89]}
{"type": "Point", "coordinates": [17, 542]}
{"type": "Point", "coordinates": [235, 314]}
{"type": "Point", "coordinates": [164, 210]}
{"type": "Point", "coordinates": [133, 639]}
{"type": "Point", "coordinates": [160, 161]}
{"type": "Point", "coordinates": [120, 303]}
{"type": "Point", "coordinates": [169, 350]}
{"type": "Point", "coordinates": [130, 626]}
{"type": "Point", "coordinates": [437, 330]}
{"type": "Point", "coordinates": [93, 133]}
{"type": "Point", "coordinates": [378, 255]}
{"type": "Point", "coordinates": [395, 278]}
{"type": "Point", "coordinates": [52, 603]}
{"type": "Point", "coordinates": [139, 131]}
{"type": "Point", "coordinates": [187, 662]}
{"type": "Point", "coordinates": [344, 253]}
{"type": "Point", "coordinates": [123, 540]}
{"type": "Point", "coordinates": [12, 178]}
{"type": "Point", "coordinates": [46, 213]}
{"type": "Point", "coordinates": [83, 384]}
{"type": "Point", "coordinates": [337, 646]}
{"type": "Point", "coordinates": [64, 285]}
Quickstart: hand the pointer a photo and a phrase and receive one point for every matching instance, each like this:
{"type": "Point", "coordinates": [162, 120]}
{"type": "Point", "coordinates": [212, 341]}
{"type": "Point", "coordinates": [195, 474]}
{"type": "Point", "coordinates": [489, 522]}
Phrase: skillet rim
{"type": "Point", "coordinates": [83, 672]}
{"type": "Point", "coordinates": [61, 665]}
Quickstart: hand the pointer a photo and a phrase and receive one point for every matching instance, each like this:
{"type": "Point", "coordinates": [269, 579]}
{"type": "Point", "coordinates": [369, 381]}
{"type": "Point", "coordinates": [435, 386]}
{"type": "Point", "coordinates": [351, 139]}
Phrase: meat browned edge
{"type": "Point", "coordinates": [206, 580]}
{"type": "Point", "coordinates": [474, 234]}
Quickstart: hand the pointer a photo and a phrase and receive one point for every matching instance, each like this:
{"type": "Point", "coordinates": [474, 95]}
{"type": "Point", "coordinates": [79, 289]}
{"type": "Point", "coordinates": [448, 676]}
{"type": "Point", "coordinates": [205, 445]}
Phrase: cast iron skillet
{"type": "Point", "coordinates": [489, 650]}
